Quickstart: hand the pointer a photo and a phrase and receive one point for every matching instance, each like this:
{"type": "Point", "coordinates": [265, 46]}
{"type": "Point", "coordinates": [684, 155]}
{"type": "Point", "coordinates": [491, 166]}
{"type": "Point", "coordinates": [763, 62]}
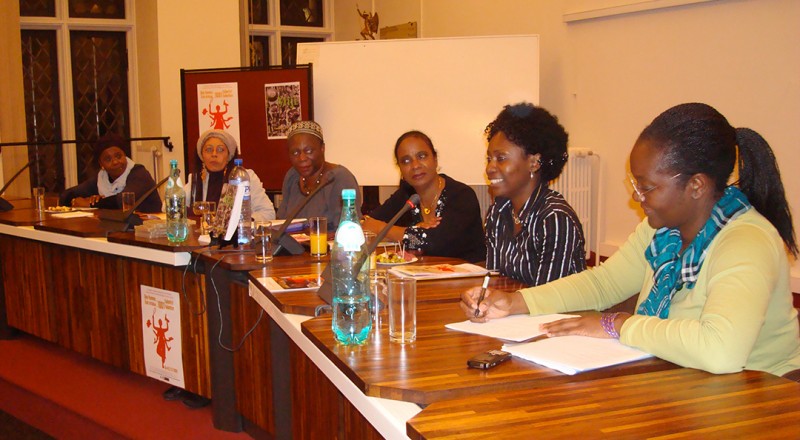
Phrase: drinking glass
{"type": "Point", "coordinates": [318, 232]}
{"type": "Point", "coordinates": [377, 295]}
{"type": "Point", "coordinates": [262, 241]}
{"type": "Point", "coordinates": [128, 199]}
{"type": "Point", "coordinates": [402, 309]}
{"type": "Point", "coordinates": [38, 198]}
{"type": "Point", "coordinates": [206, 213]}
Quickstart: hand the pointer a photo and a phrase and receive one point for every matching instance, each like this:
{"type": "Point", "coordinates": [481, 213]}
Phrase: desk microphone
{"type": "Point", "coordinates": [116, 215]}
{"type": "Point", "coordinates": [283, 240]}
{"type": "Point", "coordinates": [4, 204]}
{"type": "Point", "coordinates": [326, 289]}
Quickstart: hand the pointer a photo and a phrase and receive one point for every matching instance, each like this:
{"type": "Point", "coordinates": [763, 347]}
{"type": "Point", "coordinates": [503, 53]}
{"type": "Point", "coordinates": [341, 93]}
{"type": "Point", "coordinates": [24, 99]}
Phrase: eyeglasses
{"type": "Point", "coordinates": [641, 192]}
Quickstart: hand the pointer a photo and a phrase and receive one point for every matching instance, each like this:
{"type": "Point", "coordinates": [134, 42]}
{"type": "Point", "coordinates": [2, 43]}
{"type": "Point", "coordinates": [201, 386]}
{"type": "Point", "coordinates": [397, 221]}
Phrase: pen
{"type": "Point", "coordinates": [483, 293]}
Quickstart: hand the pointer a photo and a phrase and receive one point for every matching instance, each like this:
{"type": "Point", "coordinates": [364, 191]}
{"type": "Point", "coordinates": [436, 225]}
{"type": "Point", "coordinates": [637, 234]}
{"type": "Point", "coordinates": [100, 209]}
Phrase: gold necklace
{"type": "Point", "coordinates": [427, 209]}
{"type": "Point", "coordinates": [517, 220]}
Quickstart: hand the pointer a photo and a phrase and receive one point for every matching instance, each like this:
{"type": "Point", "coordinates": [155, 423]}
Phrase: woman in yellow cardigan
{"type": "Point", "coordinates": [709, 263]}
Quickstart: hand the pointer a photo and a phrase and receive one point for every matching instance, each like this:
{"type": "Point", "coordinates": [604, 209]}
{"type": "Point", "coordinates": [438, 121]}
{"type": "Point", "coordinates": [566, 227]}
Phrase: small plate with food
{"type": "Point", "coordinates": [395, 258]}
{"type": "Point", "coordinates": [58, 209]}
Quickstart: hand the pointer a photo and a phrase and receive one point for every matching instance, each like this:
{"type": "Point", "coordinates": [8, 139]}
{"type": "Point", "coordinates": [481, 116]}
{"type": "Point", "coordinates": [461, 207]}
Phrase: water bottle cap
{"type": "Point", "coordinates": [348, 194]}
{"type": "Point", "coordinates": [173, 163]}
{"type": "Point", "coordinates": [237, 162]}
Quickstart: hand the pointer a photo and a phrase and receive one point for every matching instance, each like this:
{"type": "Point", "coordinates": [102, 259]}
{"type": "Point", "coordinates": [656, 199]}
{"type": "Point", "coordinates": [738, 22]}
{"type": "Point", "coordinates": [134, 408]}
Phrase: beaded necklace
{"type": "Point", "coordinates": [304, 188]}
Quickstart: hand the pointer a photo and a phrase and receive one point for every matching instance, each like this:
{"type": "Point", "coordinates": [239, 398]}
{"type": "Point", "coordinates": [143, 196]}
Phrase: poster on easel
{"type": "Point", "coordinates": [259, 126]}
{"type": "Point", "coordinates": [218, 108]}
{"type": "Point", "coordinates": [161, 331]}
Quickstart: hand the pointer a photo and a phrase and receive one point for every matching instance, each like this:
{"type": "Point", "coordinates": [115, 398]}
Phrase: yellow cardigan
{"type": "Point", "coordinates": [739, 315]}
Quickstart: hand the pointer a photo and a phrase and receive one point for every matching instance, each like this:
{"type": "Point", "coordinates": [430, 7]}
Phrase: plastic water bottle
{"type": "Point", "coordinates": [177, 227]}
{"type": "Point", "coordinates": [351, 315]}
{"type": "Point", "coordinates": [239, 177]}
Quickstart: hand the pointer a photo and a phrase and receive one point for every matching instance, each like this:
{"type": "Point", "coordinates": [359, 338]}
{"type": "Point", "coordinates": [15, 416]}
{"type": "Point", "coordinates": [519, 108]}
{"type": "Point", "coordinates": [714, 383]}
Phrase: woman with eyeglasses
{"type": "Point", "coordinates": [709, 264]}
{"type": "Point", "coordinates": [306, 148]}
{"type": "Point", "coordinates": [533, 235]}
{"type": "Point", "coordinates": [447, 221]}
{"type": "Point", "coordinates": [216, 150]}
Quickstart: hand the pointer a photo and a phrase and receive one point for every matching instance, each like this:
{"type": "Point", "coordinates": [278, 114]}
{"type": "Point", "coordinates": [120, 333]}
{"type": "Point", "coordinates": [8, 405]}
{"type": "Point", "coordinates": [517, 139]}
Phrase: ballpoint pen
{"type": "Point", "coordinates": [483, 293]}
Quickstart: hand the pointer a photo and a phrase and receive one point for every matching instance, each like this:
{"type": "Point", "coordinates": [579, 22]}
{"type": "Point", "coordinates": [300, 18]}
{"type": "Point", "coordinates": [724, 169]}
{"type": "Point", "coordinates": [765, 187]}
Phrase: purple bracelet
{"type": "Point", "coordinates": [607, 322]}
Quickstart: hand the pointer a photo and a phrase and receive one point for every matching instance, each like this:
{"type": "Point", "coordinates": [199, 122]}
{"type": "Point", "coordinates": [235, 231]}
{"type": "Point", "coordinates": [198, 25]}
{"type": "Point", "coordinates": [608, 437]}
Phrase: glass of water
{"type": "Point", "coordinates": [262, 241]}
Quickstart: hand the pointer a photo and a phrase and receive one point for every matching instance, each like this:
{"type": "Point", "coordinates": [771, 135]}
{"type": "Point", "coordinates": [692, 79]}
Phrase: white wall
{"type": "Point", "coordinates": [192, 34]}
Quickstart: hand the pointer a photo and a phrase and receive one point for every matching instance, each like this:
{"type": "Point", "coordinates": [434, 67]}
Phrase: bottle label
{"type": "Point", "coordinates": [350, 236]}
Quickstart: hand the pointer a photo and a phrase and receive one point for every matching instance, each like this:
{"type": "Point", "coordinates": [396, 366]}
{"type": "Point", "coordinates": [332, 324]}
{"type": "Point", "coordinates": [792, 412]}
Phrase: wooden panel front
{"type": "Point", "coordinates": [252, 361]}
{"type": "Point", "coordinates": [683, 403]}
{"type": "Point", "coordinates": [194, 327]}
{"type": "Point", "coordinates": [434, 367]}
{"type": "Point", "coordinates": [319, 410]}
{"type": "Point", "coordinates": [28, 301]}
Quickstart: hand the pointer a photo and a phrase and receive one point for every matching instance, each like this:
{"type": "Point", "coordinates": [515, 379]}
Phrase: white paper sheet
{"type": "Point", "coordinates": [511, 328]}
{"type": "Point", "coordinates": [574, 354]}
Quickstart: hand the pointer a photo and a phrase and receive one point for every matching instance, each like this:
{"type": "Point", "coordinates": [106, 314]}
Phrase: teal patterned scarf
{"type": "Point", "coordinates": [673, 270]}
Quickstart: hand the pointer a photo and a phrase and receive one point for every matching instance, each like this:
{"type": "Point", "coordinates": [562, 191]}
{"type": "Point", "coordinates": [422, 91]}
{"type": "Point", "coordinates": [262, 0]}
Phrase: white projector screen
{"type": "Point", "coordinates": [368, 93]}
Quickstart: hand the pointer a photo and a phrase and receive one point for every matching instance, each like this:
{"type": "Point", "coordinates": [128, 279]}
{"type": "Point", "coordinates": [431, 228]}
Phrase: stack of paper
{"type": "Point", "coordinates": [567, 354]}
{"type": "Point", "coordinates": [573, 354]}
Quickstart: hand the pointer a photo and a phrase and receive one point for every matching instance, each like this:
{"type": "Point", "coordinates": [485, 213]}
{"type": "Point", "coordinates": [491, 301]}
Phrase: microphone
{"type": "Point", "coordinates": [411, 203]}
{"type": "Point", "coordinates": [116, 215]}
{"type": "Point", "coordinates": [283, 240]}
{"type": "Point", "coordinates": [325, 291]}
{"type": "Point", "coordinates": [4, 204]}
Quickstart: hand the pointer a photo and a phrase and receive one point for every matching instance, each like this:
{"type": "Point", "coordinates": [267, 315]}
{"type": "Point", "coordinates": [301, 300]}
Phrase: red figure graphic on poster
{"type": "Point", "coordinates": [218, 119]}
{"type": "Point", "coordinates": [161, 340]}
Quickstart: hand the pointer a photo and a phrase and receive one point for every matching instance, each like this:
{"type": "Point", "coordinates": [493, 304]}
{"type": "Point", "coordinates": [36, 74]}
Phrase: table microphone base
{"type": "Point", "coordinates": [5, 205]}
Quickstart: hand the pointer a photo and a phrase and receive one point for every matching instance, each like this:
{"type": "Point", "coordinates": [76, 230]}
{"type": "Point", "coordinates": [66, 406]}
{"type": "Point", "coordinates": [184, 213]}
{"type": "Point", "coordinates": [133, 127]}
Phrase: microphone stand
{"type": "Point", "coordinates": [325, 291]}
{"type": "Point", "coordinates": [4, 204]}
{"type": "Point", "coordinates": [285, 241]}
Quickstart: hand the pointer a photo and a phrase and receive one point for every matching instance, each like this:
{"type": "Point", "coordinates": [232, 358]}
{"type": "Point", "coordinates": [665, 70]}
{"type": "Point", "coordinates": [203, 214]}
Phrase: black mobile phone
{"type": "Point", "coordinates": [487, 360]}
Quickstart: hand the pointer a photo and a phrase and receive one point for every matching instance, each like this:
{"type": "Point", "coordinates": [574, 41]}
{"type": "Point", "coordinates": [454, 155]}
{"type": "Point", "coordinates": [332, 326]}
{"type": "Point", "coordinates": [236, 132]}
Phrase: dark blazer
{"type": "Point", "coordinates": [139, 182]}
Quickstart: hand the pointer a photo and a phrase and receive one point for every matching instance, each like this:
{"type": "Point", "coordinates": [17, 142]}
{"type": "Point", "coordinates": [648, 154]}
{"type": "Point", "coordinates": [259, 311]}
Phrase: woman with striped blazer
{"type": "Point", "coordinates": [532, 234]}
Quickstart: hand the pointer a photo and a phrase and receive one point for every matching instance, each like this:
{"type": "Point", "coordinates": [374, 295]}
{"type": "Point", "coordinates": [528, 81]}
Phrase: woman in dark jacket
{"type": "Point", "coordinates": [118, 174]}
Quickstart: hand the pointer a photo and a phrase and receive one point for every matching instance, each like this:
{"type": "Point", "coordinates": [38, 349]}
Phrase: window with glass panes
{"type": "Point", "coordinates": [275, 27]}
{"type": "Point", "coordinates": [73, 52]}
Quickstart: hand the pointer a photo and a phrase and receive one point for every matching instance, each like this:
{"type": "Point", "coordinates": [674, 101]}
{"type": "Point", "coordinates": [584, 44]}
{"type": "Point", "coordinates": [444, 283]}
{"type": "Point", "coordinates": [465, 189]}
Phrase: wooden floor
{"type": "Point", "coordinates": [66, 396]}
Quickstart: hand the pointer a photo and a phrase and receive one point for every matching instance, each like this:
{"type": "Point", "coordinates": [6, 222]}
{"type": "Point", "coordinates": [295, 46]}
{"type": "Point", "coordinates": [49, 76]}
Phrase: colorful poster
{"type": "Point", "coordinates": [218, 108]}
{"type": "Point", "coordinates": [282, 102]}
{"type": "Point", "coordinates": [161, 331]}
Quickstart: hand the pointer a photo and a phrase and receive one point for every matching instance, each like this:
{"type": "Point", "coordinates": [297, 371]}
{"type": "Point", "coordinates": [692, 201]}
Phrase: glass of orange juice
{"type": "Point", "coordinates": [318, 232]}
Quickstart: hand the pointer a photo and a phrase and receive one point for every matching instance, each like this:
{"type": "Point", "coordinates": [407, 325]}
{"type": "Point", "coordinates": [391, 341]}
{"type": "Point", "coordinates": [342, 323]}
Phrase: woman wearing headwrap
{"type": "Point", "coordinates": [216, 150]}
{"type": "Point", "coordinates": [118, 174]}
{"type": "Point", "coordinates": [310, 170]}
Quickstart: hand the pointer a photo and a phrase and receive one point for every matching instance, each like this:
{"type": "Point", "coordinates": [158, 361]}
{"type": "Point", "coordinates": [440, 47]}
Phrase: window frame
{"type": "Point", "coordinates": [276, 32]}
{"type": "Point", "coordinates": [62, 24]}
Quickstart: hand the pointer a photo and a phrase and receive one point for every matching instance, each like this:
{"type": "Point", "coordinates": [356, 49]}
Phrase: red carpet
{"type": "Point", "coordinates": [67, 396]}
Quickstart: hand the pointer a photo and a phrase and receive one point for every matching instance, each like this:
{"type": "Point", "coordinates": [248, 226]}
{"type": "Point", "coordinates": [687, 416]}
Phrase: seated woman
{"type": "Point", "coordinates": [216, 150]}
{"type": "Point", "coordinates": [448, 221]}
{"type": "Point", "coordinates": [306, 148]}
{"type": "Point", "coordinates": [709, 263]}
{"type": "Point", "coordinates": [533, 235]}
{"type": "Point", "coordinates": [118, 174]}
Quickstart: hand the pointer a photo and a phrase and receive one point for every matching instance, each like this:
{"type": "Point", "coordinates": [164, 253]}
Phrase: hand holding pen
{"type": "Point", "coordinates": [482, 296]}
